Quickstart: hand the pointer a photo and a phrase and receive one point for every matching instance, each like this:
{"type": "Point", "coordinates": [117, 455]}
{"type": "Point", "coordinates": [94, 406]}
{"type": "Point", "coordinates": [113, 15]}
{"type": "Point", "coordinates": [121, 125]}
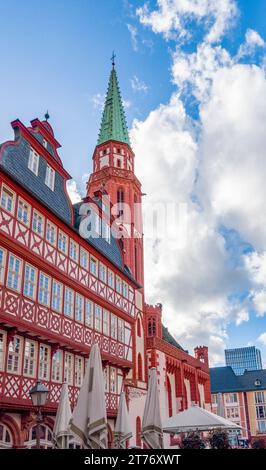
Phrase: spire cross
{"type": "Point", "coordinates": [113, 59]}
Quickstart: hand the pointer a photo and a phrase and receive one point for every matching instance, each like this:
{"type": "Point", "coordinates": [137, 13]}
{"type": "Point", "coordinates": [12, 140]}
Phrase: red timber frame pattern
{"type": "Point", "coordinates": [45, 325]}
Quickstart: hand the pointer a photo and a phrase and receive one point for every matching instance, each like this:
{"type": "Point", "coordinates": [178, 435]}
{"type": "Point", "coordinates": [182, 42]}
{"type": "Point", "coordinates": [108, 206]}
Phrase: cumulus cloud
{"type": "Point", "coordinates": [173, 17]}
{"type": "Point", "coordinates": [252, 41]}
{"type": "Point", "coordinates": [216, 167]}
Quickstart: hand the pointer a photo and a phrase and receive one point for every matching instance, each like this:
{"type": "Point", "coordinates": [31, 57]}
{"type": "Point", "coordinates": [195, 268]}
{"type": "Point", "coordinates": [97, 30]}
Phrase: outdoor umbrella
{"type": "Point", "coordinates": [196, 419]}
{"type": "Point", "coordinates": [89, 421]}
{"type": "Point", "coordinates": [152, 433]}
{"type": "Point", "coordinates": [220, 405]}
{"type": "Point", "coordinates": [63, 415]}
{"type": "Point", "coordinates": [122, 427]}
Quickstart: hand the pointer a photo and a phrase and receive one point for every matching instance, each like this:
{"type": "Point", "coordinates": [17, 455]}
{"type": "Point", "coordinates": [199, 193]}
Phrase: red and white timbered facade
{"type": "Point", "coordinates": [60, 292]}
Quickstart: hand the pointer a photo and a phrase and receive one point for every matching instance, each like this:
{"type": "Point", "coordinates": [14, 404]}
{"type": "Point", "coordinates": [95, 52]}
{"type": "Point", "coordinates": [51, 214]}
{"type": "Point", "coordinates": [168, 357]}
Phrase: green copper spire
{"type": "Point", "coordinates": [113, 125]}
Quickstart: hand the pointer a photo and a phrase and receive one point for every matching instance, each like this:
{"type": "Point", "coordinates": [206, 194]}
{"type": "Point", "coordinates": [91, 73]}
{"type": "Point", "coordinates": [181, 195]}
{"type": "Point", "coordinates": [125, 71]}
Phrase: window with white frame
{"type": "Point", "coordinates": [30, 353]}
{"type": "Point", "coordinates": [118, 285]}
{"type": "Point", "coordinates": [57, 290]}
{"type": "Point", "coordinates": [50, 177]}
{"type": "Point", "coordinates": [214, 399]}
{"type": "Point", "coordinates": [14, 273]}
{"type": "Point", "coordinates": [69, 368]}
{"type": "Point", "coordinates": [29, 281]}
{"type": "Point", "coordinates": [44, 362]}
{"type": "Point", "coordinates": [98, 318]}
{"type": "Point", "coordinates": [261, 411]}
{"type": "Point", "coordinates": [37, 223]}
{"type": "Point", "coordinates": [68, 302]}
{"type": "Point", "coordinates": [113, 326]}
{"type": "Point", "coordinates": [62, 242]}
{"type": "Point", "coordinates": [84, 259]}
{"type": "Point", "coordinates": [23, 212]}
{"type": "Point", "coordinates": [113, 388]}
{"type": "Point", "coordinates": [2, 349]}
{"type": "Point", "coordinates": [106, 231]}
{"type": "Point", "coordinates": [7, 199]}
{"type": "Point", "coordinates": [73, 250]}
{"type": "Point", "coordinates": [79, 370]}
{"type": "Point", "coordinates": [260, 397]}
{"type": "Point", "coordinates": [121, 330]}
{"type": "Point", "coordinates": [106, 378]}
{"type": "Point", "coordinates": [106, 316]}
{"type": "Point", "coordinates": [45, 143]}
{"type": "Point", "coordinates": [125, 289]}
{"type": "Point", "coordinates": [111, 279]}
{"type": "Point", "coordinates": [89, 313]}
{"type": "Point", "coordinates": [93, 266]}
{"type": "Point", "coordinates": [102, 272]}
{"type": "Point", "coordinates": [50, 233]}
{"type": "Point", "coordinates": [232, 412]}
{"type": "Point", "coordinates": [2, 264]}
{"type": "Point", "coordinates": [33, 162]}
{"type": "Point", "coordinates": [44, 289]}
{"type": "Point", "coordinates": [6, 441]}
{"type": "Point", "coordinates": [57, 366]}
{"type": "Point", "coordinates": [79, 307]}
{"type": "Point", "coordinates": [262, 427]}
{"type": "Point", "coordinates": [14, 355]}
{"type": "Point", "coordinates": [231, 398]}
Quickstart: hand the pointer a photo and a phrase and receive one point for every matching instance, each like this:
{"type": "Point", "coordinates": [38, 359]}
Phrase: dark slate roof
{"type": "Point", "coordinates": [110, 250]}
{"type": "Point", "coordinates": [15, 163]}
{"type": "Point", "coordinates": [170, 339]}
{"type": "Point", "coordinates": [223, 379]}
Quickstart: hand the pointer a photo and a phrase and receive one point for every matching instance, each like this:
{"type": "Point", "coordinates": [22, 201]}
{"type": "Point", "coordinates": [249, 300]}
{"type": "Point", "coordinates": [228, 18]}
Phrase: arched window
{"type": "Point", "coordinates": [169, 397]}
{"type": "Point", "coordinates": [46, 437]}
{"type": "Point", "coordinates": [138, 328]}
{"type": "Point", "coordinates": [5, 437]}
{"type": "Point", "coordinates": [138, 432]}
{"type": "Point", "coordinates": [140, 376]}
{"type": "Point", "coordinates": [151, 327]}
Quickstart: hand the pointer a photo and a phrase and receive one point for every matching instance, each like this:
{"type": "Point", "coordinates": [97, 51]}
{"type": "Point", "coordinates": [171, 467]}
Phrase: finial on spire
{"type": "Point", "coordinates": [47, 116]}
{"type": "Point", "coordinates": [113, 59]}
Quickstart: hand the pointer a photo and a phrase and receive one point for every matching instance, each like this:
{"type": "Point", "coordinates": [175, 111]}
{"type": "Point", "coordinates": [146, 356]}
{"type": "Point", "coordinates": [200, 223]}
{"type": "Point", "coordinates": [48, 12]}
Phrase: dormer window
{"type": "Point", "coordinates": [50, 177]}
{"type": "Point", "coordinates": [257, 383]}
{"type": "Point", "coordinates": [33, 163]}
{"type": "Point", "coordinates": [45, 143]}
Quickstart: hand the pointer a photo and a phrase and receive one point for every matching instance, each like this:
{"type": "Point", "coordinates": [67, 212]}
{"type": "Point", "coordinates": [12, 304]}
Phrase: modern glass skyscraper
{"type": "Point", "coordinates": [241, 359]}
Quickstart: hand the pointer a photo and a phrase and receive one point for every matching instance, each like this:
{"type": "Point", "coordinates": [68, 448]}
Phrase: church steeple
{"type": "Point", "coordinates": [113, 170]}
{"type": "Point", "coordinates": [113, 124]}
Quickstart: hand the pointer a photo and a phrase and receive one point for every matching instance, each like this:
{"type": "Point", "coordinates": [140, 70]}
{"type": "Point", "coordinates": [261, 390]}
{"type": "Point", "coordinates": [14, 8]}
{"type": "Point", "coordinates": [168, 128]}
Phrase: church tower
{"type": "Point", "coordinates": [113, 174]}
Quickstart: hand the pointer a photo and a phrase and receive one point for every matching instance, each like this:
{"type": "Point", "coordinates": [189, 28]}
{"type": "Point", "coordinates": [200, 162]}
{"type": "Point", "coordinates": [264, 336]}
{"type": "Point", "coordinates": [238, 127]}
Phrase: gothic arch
{"type": "Point", "coordinates": [13, 427]}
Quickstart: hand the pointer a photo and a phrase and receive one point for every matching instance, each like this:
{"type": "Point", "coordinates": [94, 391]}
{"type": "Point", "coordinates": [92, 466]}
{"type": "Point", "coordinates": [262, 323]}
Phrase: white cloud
{"type": "Point", "coordinates": [138, 85]}
{"type": "Point", "coordinates": [262, 338]}
{"type": "Point", "coordinates": [252, 41]}
{"type": "Point", "coordinates": [172, 17]}
{"type": "Point", "coordinates": [134, 36]}
{"type": "Point", "coordinates": [220, 162]}
{"type": "Point", "coordinates": [242, 316]}
{"type": "Point", "coordinates": [73, 191]}
{"type": "Point", "coordinates": [127, 104]}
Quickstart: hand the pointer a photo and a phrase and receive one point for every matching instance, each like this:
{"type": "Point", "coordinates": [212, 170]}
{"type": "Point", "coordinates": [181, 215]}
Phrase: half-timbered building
{"type": "Point", "coordinates": [62, 290]}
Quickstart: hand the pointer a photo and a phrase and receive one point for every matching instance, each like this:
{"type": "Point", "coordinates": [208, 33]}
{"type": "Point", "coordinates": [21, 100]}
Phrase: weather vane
{"type": "Point", "coordinates": [113, 58]}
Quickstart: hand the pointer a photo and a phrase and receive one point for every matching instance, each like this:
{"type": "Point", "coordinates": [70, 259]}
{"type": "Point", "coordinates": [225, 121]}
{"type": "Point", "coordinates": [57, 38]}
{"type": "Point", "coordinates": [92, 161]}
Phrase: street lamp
{"type": "Point", "coordinates": [38, 394]}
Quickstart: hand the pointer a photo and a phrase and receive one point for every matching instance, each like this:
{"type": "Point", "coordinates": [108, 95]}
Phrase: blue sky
{"type": "Point", "coordinates": [55, 55]}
